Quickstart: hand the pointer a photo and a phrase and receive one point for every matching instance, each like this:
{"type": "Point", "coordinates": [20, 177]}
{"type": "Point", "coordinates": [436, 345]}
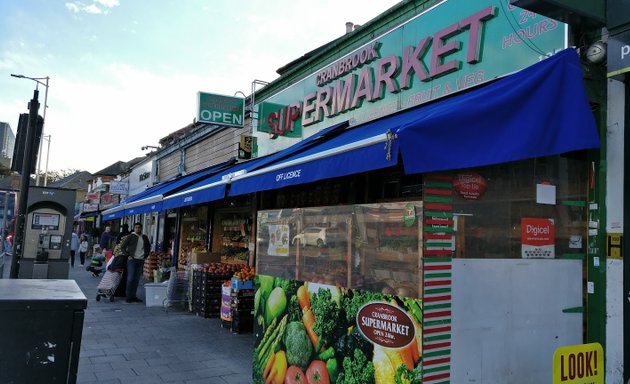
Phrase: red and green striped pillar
{"type": "Point", "coordinates": [438, 249]}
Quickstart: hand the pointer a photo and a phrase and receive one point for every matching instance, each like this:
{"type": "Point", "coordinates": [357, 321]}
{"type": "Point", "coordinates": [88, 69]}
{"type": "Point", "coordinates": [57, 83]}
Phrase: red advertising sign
{"type": "Point", "coordinates": [93, 197]}
{"type": "Point", "coordinates": [385, 325]}
{"type": "Point", "coordinates": [537, 238]}
{"type": "Point", "coordinates": [470, 185]}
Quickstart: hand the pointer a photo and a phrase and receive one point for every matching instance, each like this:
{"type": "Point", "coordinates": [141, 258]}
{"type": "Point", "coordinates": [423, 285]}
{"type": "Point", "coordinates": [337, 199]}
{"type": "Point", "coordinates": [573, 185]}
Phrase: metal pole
{"type": "Point", "coordinates": [626, 243]}
{"type": "Point", "coordinates": [27, 164]}
{"type": "Point", "coordinates": [47, 154]}
{"type": "Point", "coordinates": [41, 140]}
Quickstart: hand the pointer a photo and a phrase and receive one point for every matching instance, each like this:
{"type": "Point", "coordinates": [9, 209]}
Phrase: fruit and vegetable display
{"type": "Point", "coordinates": [221, 269]}
{"type": "Point", "coordinates": [156, 261]}
{"type": "Point", "coordinates": [318, 334]}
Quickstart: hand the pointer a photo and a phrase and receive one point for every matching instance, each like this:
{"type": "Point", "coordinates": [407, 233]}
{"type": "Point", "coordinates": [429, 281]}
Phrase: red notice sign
{"type": "Point", "coordinates": [537, 238]}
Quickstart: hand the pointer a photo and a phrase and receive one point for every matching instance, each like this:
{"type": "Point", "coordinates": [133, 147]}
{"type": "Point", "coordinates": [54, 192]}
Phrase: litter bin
{"type": "Point", "coordinates": [42, 326]}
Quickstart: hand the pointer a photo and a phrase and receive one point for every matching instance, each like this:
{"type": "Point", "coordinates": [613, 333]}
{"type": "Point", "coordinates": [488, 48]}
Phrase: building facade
{"type": "Point", "coordinates": [462, 155]}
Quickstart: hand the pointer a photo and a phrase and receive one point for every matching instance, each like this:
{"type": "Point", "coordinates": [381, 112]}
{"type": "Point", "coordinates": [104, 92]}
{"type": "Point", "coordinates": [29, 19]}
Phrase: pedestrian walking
{"type": "Point", "coordinates": [83, 248]}
{"type": "Point", "coordinates": [106, 238]}
{"type": "Point", "coordinates": [137, 247]}
{"type": "Point", "coordinates": [74, 247]}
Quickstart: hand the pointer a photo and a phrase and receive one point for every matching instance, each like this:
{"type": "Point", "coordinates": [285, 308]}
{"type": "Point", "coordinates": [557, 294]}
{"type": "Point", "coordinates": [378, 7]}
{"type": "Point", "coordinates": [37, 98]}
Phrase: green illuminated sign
{"type": "Point", "coordinates": [451, 47]}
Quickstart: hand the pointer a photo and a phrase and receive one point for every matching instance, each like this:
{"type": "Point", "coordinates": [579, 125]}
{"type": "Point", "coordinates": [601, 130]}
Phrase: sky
{"type": "Point", "coordinates": [125, 73]}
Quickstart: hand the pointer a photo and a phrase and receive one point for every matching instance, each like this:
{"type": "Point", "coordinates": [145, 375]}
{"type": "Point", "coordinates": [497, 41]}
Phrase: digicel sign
{"type": "Point", "coordinates": [427, 57]}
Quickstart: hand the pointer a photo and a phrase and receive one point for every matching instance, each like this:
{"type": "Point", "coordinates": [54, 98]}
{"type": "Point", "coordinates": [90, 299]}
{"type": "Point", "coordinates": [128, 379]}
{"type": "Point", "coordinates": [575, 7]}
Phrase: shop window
{"type": "Point", "coordinates": [527, 209]}
{"type": "Point", "coordinates": [193, 242]}
{"type": "Point", "coordinates": [230, 235]}
{"type": "Point", "coordinates": [365, 246]}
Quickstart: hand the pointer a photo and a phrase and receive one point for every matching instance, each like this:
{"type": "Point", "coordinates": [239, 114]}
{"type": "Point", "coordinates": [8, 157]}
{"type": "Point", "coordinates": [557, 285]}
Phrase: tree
{"type": "Point", "coordinates": [58, 175]}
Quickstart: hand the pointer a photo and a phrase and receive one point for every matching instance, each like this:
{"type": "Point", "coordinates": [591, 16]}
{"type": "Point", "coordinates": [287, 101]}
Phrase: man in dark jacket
{"type": "Point", "coordinates": [137, 247]}
{"type": "Point", "coordinates": [124, 232]}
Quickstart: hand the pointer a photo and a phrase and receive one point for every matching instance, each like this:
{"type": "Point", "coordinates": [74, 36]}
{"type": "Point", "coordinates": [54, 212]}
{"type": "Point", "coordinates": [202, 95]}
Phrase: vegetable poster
{"type": "Point", "coordinates": [316, 333]}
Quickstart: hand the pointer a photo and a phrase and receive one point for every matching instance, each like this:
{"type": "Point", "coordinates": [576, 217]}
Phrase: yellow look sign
{"type": "Point", "coordinates": [579, 364]}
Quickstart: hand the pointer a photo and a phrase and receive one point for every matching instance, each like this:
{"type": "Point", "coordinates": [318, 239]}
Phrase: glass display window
{"type": "Point", "coordinates": [375, 247]}
{"type": "Point", "coordinates": [533, 208]}
{"type": "Point", "coordinates": [231, 233]}
{"type": "Point", "coordinates": [193, 234]}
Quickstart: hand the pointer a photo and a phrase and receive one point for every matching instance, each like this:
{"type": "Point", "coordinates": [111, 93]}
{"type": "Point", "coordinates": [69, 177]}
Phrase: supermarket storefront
{"type": "Point", "coordinates": [495, 213]}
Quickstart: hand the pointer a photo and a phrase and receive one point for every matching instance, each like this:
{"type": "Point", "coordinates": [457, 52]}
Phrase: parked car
{"type": "Point", "coordinates": [318, 236]}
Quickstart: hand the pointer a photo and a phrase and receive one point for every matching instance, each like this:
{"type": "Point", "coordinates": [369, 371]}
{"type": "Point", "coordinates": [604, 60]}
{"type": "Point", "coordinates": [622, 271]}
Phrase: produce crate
{"type": "Point", "coordinates": [238, 284]}
{"type": "Point", "coordinates": [242, 325]}
{"type": "Point", "coordinates": [226, 324]}
{"type": "Point", "coordinates": [243, 293]}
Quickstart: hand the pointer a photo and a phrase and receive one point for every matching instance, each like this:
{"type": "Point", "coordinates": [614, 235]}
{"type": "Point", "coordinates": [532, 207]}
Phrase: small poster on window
{"type": "Point", "coordinates": [537, 238]}
{"type": "Point", "coordinates": [278, 240]}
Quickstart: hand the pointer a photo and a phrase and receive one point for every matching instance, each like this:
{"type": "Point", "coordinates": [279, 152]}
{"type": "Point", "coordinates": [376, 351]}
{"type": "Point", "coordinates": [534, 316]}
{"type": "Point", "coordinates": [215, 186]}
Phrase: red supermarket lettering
{"type": "Point", "coordinates": [288, 175]}
{"type": "Point", "coordinates": [578, 365]}
{"type": "Point", "coordinates": [424, 62]}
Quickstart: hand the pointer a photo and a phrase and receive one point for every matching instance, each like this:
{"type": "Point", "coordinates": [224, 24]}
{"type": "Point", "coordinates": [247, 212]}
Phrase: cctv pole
{"type": "Point", "coordinates": [27, 164]}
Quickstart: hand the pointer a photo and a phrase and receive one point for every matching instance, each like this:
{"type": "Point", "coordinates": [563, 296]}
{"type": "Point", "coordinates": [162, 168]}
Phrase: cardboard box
{"type": "Point", "coordinates": [155, 294]}
{"type": "Point", "coordinates": [204, 257]}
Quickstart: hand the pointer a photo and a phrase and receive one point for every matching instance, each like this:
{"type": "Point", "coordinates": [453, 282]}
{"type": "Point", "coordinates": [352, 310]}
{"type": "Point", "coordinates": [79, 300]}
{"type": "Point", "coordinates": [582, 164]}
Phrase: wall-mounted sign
{"type": "Point", "coordinates": [579, 364]}
{"type": "Point", "coordinates": [93, 197]}
{"type": "Point", "coordinates": [614, 246]}
{"type": "Point", "coordinates": [246, 146]}
{"type": "Point", "coordinates": [470, 185]}
{"type": "Point", "coordinates": [90, 207]}
{"type": "Point", "coordinates": [221, 110]}
{"type": "Point", "coordinates": [451, 47]}
{"type": "Point", "coordinates": [537, 238]}
{"type": "Point", "coordinates": [618, 55]}
{"type": "Point", "coordinates": [119, 187]}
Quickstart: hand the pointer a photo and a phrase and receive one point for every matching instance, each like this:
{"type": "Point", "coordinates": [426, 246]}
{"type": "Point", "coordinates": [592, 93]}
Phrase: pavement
{"type": "Point", "coordinates": [133, 343]}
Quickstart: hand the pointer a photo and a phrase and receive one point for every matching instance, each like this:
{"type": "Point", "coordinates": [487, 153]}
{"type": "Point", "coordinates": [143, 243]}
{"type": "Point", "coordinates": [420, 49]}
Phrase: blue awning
{"type": "Point", "coordinates": [150, 200]}
{"type": "Point", "coordinates": [539, 111]}
{"type": "Point", "coordinates": [113, 213]}
{"type": "Point", "coordinates": [214, 187]}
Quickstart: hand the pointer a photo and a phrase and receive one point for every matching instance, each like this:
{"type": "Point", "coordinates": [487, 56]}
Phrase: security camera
{"type": "Point", "coordinates": [596, 53]}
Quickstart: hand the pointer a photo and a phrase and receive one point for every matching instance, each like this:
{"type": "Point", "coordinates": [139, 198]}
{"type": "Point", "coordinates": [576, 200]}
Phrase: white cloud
{"type": "Point", "coordinates": [93, 8]}
{"type": "Point", "coordinates": [74, 7]}
{"type": "Point", "coordinates": [109, 3]}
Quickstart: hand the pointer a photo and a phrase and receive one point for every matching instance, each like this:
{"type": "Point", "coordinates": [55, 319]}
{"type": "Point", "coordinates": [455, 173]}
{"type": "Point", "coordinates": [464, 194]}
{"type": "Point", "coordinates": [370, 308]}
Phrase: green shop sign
{"type": "Point", "coordinates": [452, 46]}
{"type": "Point", "coordinates": [221, 110]}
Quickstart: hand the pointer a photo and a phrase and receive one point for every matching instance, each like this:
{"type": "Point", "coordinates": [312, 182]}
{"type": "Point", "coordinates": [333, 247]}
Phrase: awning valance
{"type": "Point", "coordinates": [150, 200]}
{"type": "Point", "coordinates": [214, 187]}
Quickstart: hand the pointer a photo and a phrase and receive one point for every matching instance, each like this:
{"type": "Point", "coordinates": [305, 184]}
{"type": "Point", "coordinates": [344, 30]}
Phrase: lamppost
{"type": "Point", "coordinates": [27, 165]}
{"type": "Point", "coordinates": [47, 155]}
{"type": "Point", "coordinates": [41, 142]}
